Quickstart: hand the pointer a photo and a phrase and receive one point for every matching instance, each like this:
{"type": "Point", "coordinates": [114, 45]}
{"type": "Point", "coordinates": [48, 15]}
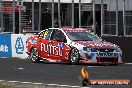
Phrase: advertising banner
{"type": "Point", "coordinates": [5, 45]}
{"type": "Point", "coordinates": [19, 45]}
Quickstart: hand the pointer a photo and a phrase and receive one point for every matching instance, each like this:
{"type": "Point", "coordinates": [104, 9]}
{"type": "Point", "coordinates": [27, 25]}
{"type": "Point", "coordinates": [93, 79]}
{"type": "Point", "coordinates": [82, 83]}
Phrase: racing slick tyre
{"type": "Point", "coordinates": [74, 56]}
{"type": "Point", "coordinates": [34, 55]}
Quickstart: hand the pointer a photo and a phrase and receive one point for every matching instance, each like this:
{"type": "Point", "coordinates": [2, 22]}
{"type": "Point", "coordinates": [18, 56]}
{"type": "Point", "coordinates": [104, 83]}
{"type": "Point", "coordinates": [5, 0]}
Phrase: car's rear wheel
{"type": "Point", "coordinates": [74, 56]}
{"type": "Point", "coordinates": [34, 55]}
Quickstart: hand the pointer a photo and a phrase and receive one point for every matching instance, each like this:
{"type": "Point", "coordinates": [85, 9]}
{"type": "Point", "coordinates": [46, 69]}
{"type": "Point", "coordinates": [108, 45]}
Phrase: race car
{"type": "Point", "coordinates": [72, 45]}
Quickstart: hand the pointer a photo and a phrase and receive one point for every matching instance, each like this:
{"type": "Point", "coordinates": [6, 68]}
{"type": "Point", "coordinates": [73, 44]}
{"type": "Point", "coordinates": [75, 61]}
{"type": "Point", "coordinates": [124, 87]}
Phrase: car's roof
{"type": "Point", "coordinates": [72, 29]}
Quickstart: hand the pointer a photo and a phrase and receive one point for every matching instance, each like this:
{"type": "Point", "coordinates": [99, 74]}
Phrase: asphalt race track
{"type": "Point", "coordinates": [64, 74]}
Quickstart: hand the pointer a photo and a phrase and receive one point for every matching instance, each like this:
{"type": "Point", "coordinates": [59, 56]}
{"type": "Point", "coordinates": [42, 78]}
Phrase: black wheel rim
{"type": "Point", "coordinates": [34, 55]}
{"type": "Point", "coordinates": [74, 56]}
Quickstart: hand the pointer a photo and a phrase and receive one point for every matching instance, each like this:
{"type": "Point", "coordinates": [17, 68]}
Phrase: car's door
{"type": "Point", "coordinates": [59, 49]}
{"type": "Point", "coordinates": [44, 40]}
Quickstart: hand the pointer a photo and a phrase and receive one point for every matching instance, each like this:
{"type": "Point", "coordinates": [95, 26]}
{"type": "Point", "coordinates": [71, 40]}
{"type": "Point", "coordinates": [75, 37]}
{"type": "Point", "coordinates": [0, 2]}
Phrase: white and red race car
{"type": "Point", "coordinates": [73, 45]}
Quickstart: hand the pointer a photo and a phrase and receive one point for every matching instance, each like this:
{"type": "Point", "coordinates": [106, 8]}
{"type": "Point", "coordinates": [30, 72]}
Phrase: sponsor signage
{"type": "Point", "coordinates": [9, 8]}
{"type": "Point", "coordinates": [89, 7]}
{"type": "Point", "coordinates": [110, 82]}
{"type": "Point", "coordinates": [5, 45]}
{"type": "Point", "coordinates": [19, 45]}
{"type": "Point", "coordinates": [87, 81]}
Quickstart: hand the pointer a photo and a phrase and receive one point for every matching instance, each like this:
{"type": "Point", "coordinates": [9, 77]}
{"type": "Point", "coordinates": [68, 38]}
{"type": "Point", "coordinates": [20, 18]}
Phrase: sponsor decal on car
{"type": "Point", "coordinates": [104, 44]}
{"type": "Point", "coordinates": [107, 54]}
{"type": "Point", "coordinates": [55, 50]}
{"type": "Point", "coordinates": [33, 41]}
{"type": "Point", "coordinates": [60, 45]}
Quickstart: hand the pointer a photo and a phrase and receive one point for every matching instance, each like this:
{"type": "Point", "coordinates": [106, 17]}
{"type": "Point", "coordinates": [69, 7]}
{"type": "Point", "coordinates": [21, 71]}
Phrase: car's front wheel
{"type": "Point", "coordinates": [74, 56]}
{"type": "Point", "coordinates": [34, 55]}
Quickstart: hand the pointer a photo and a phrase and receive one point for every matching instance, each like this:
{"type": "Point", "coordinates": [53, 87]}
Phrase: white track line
{"type": "Point", "coordinates": [1, 80]}
{"type": "Point", "coordinates": [128, 63]}
{"type": "Point", "coordinates": [26, 82]}
{"type": "Point", "coordinates": [13, 81]}
{"type": "Point", "coordinates": [94, 66]}
{"type": "Point", "coordinates": [38, 83]}
{"type": "Point", "coordinates": [44, 84]}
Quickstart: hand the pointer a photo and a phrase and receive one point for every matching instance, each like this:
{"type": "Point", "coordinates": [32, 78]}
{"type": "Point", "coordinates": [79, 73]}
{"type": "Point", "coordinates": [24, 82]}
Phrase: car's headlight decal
{"type": "Point", "coordinates": [85, 48]}
{"type": "Point", "coordinates": [89, 49]}
{"type": "Point", "coordinates": [91, 55]}
{"type": "Point", "coordinates": [118, 49]}
{"type": "Point", "coordinates": [93, 50]}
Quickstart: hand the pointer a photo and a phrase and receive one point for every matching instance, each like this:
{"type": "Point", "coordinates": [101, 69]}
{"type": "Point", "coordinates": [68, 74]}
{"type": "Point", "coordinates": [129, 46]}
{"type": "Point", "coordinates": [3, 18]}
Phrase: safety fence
{"type": "Point", "coordinates": [13, 45]}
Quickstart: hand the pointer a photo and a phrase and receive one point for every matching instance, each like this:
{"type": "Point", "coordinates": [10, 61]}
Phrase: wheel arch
{"type": "Point", "coordinates": [34, 47]}
{"type": "Point", "coordinates": [70, 54]}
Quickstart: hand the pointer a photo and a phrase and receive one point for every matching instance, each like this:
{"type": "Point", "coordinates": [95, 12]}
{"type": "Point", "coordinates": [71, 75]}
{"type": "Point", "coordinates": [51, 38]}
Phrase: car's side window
{"type": "Point", "coordinates": [41, 34]}
{"type": "Point", "coordinates": [48, 34]}
{"type": "Point", "coordinates": [55, 34]}
{"type": "Point", "coordinates": [58, 36]}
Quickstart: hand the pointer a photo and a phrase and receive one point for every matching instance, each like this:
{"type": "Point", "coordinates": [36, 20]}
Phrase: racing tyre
{"type": "Point", "coordinates": [74, 56]}
{"type": "Point", "coordinates": [34, 55]}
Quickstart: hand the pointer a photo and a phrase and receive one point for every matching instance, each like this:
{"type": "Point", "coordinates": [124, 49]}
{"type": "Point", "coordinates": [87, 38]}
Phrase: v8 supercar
{"type": "Point", "coordinates": [76, 45]}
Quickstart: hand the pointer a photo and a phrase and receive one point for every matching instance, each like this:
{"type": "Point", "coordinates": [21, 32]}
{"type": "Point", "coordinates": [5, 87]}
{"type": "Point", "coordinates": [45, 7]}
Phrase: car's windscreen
{"type": "Point", "coordinates": [83, 36]}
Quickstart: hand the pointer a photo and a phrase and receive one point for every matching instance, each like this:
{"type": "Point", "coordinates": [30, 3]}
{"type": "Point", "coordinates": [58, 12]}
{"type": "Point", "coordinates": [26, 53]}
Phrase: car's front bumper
{"type": "Point", "coordinates": [98, 63]}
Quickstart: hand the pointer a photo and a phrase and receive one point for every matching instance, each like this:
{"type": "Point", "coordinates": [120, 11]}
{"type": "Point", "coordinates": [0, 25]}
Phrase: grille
{"type": "Point", "coordinates": [107, 60]}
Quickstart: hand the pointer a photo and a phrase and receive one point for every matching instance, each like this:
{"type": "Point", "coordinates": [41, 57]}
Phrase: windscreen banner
{"type": "Point", "coordinates": [5, 45]}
